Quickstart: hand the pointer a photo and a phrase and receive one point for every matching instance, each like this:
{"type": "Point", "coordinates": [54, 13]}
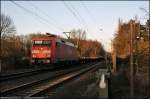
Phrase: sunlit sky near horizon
{"type": "Point", "coordinates": [98, 18]}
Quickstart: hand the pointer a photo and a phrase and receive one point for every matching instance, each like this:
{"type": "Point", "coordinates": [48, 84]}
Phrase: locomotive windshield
{"type": "Point", "coordinates": [42, 42]}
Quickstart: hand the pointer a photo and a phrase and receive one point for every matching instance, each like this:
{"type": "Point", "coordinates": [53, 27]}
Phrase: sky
{"type": "Point", "coordinates": [98, 18]}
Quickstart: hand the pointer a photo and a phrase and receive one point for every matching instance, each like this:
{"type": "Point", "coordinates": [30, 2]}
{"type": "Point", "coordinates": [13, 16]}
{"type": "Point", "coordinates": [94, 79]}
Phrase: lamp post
{"type": "Point", "coordinates": [131, 61]}
{"type": "Point", "coordinates": [137, 56]}
{"type": "Point", "coordinates": [106, 58]}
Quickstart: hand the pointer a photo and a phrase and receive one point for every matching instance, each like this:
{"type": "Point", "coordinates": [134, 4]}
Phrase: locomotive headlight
{"type": "Point", "coordinates": [35, 51]}
{"type": "Point", "coordinates": [34, 56]}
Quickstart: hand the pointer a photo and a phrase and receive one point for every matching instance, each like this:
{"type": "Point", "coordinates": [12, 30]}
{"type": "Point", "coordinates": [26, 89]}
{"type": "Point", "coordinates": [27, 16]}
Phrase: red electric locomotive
{"type": "Point", "coordinates": [51, 49]}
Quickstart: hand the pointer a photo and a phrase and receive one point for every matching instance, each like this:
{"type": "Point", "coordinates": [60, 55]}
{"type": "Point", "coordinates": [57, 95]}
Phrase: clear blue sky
{"type": "Point", "coordinates": [98, 18]}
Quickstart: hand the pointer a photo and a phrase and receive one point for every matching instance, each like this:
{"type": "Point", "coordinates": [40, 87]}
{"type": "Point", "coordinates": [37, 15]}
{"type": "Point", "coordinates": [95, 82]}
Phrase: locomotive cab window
{"type": "Point", "coordinates": [42, 43]}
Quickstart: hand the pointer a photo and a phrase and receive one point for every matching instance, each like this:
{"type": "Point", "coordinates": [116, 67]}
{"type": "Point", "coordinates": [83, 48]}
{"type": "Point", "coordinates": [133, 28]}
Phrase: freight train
{"type": "Point", "coordinates": [51, 49]}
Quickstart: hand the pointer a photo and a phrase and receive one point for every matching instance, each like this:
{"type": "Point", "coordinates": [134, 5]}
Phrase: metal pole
{"type": "Point", "coordinates": [68, 36]}
{"type": "Point", "coordinates": [137, 45]}
{"type": "Point", "coordinates": [114, 58]}
{"type": "Point", "coordinates": [131, 61]}
{"type": "Point", "coordinates": [106, 57]}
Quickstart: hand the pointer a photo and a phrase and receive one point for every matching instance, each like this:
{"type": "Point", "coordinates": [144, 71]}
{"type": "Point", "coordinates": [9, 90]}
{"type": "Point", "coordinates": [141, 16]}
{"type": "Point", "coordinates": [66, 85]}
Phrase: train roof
{"type": "Point", "coordinates": [65, 42]}
{"type": "Point", "coordinates": [40, 38]}
{"type": "Point", "coordinates": [49, 36]}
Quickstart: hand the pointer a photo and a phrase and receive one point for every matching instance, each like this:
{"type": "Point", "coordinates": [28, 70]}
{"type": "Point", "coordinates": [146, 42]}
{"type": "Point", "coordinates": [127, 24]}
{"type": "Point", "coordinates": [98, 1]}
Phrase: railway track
{"type": "Point", "coordinates": [13, 83]}
{"type": "Point", "coordinates": [27, 73]}
{"type": "Point", "coordinates": [18, 80]}
{"type": "Point", "coordinates": [37, 87]}
{"type": "Point", "coordinates": [22, 74]}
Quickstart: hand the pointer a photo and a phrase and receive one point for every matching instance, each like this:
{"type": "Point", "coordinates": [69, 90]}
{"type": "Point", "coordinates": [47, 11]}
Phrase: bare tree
{"type": "Point", "coordinates": [78, 34]}
{"type": "Point", "coordinates": [7, 27]}
{"type": "Point", "coordinates": [86, 48]}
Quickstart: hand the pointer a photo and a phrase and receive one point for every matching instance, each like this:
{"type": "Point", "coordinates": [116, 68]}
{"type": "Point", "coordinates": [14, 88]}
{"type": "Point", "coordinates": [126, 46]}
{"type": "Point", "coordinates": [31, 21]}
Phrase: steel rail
{"type": "Point", "coordinates": [24, 87]}
{"type": "Point", "coordinates": [22, 74]}
{"type": "Point", "coordinates": [59, 81]}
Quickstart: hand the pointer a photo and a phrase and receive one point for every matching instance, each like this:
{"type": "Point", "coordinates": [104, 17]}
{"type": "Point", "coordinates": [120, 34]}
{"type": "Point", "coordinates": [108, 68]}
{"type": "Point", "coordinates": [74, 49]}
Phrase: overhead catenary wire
{"type": "Point", "coordinates": [24, 9]}
{"type": "Point", "coordinates": [32, 13]}
{"type": "Point", "coordinates": [90, 15]}
{"type": "Point", "coordinates": [93, 20]}
{"type": "Point", "coordinates": [73, 13]}
{"type": "Point", "coordinates": [83, 21]}
{"type": "Point", "coordinates": [52, 19]}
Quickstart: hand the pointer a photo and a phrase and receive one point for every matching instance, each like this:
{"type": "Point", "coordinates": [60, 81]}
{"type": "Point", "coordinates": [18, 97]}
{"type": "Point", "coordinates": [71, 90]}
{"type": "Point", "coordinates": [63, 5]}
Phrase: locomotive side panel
{"type": "Point", "coordinates": [53, 50]}
{"type": "Point", "coordinates": [65, 53]}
